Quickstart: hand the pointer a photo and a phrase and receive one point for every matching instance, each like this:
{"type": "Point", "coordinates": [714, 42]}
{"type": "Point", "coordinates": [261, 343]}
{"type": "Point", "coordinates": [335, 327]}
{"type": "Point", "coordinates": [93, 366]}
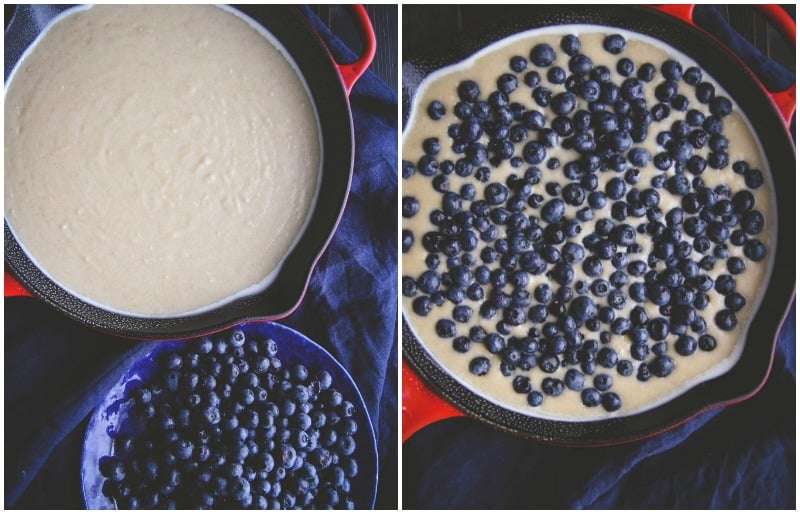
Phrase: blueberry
{"type": "Point", "coordinates": [611, 401]}
{"type": "Point", "coordinates": [580, 64]}
{"type": "Point", "coordinates": [623, 235]}
{"type": "Point", "coordinates": [556, 75]}
{"type": "Point", "coordinates": [408, 240]}
{"type": "Point", "coordinates": [543, 55]}
{"type": "Point", "coordinates": [462, 313]}
{"type": "Point", "coordinates": [552, 386]}
{"type": "Point", "coordinates": [685, 345]}
{"type": "Point", "coordinates": [735, 301]}
{"type": "Point", "coordinates": [704, 92]}
{"type": "Point", "coordinates": [574, 379]}
{"type": "Point", "coordinates": [445, 328]}
{"type": "Point", "coordinates": [752, 222]}
{"type": "Point", "coordinates": [725, 284]}
{"type": "Point", "coordinates": [521, 384]}
{"type": "Point", "coordinates": [506, 83]}
{"type": "Point", "coordinates": [735, 265]}
{"type": "Point", "coordinates": [436, 110]}
{"type": "Point", "coordinates": [720, 106]}
{"type": "Point", "coordinates": [428, 282]}
{"type": "Point", "coordinates": [549, 363]}
{"type": "Point", "coordinates": [625, 67]}
{"type": "Point", "coordinates": [562, 273]}
{"type": "Point", "coordinates": [428, 166]}
{"type": "Point", "coordinates": [661, 366]}
{"type": "Point", "coordinates": [535, 398]}
{"type": "Point", "coordinates": [534, 152]}
{"type": "Point", "coordinates": [606, 315]}
{"type": "Point", "coordinates": [717, 160]}
{"type": "Point", "coordinates": [615, 188]}
{"type": "Point", "coordinates": [532, 79]}
{"type": "Point", "coordinates": [468, 91]}
{"type": "Point", "coordinates": [643, 373]}
{"type": "Point", "coordinates": [638, 156]}
{"type": "Point", "coordinates": [692, 75]}
{"type": "Point", "coordinates": [479, 366]}
{"type": "Point", "coordinates": [494, 343]}
{"type": "Point", "coordinates": [590, 397]}
{"type": "Point", "coordinates": [625, 368]}
{"type": "Point", "coordinates": [707, 342]}
{"type": "Point", "coordinates": [603, 382]}
{"type": "Point", "coordinates": [616, 299]}
{"type": "Point", "coordinates": [614, 43]}
{"type": "Point", "coordinates": [632, 89]}
{"type": "Point", "coordinates": [582, 309]}
{"type": "Point", "coordinates": [713, 125]}
{"type": "Point", "coordinates": [570, 44]}
{"type": "Point", "coordinates": [410, 206]}
{"type": "Point", "coordinates": [743, 201]}
{"type": "Point", "coordinates": [639, 351]}
{"type": "Point", "coordinates": [477, 334]}
{"type": "Point", "coordinates": [607, 357]}
{"type": "Point", "coordinates": [646, 72]}
{"type": "Point", "coordinates": [755, 250]}
{"type": "Point", "coordinates": [518, 63]}
{"type": "Point", "coordinates": [422, 305]}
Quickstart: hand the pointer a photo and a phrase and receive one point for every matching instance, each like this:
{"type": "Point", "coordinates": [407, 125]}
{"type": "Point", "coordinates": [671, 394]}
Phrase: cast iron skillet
{"type": "Point", "coordinates": [672, 24]}
{"type": "Point", "coordinates": [330, 84]}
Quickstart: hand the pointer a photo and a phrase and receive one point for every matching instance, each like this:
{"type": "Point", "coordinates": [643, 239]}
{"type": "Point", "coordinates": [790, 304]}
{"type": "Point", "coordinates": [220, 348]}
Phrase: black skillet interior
{"type": "Point", "coordinates": [433, 50]}
{"type": "Point", "coordinates": [289, 26]}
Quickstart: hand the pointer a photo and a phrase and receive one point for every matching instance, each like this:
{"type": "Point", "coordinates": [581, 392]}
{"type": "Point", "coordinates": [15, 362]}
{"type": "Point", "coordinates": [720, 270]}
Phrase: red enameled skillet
{"type": "Point", "coordinates": [430, 394]}
{"type": "Point", "coordinates": [330, 84]}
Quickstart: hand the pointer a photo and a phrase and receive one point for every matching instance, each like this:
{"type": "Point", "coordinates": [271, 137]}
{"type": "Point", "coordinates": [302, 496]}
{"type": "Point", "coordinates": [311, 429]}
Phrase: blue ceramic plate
{"type": "Point", "coordinates": [111, 417]}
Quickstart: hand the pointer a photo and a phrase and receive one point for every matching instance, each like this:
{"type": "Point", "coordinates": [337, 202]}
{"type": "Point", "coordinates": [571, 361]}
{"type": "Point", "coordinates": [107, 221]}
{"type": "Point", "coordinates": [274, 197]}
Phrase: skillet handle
{"type": "Point", "coordinates": [12, 287]}
{"type": "Point", "coordinates": [421, 406]}
{"type": "Point", "coordinates": [351, 72]}
{"type": "Point", "coordinates": [785, 101]}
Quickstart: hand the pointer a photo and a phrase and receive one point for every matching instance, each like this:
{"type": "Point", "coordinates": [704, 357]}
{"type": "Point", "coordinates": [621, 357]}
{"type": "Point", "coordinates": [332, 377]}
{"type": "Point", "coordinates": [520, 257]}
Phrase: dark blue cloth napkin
{"type": "Point", "coordinates": [737, 457]}
{"type": "Point", "coordinates": [56, 371]}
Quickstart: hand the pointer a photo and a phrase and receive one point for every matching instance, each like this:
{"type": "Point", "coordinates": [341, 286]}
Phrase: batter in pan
{"type": "Point", "coordinates": [159, 160]}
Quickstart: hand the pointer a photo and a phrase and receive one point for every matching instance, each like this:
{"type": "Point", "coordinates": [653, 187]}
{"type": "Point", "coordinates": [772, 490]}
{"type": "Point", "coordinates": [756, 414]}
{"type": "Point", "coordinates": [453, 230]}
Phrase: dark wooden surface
{"type": "Point", "coordinates": [338, 18]}
{"type": "Point", "coordinates": [752, 25]}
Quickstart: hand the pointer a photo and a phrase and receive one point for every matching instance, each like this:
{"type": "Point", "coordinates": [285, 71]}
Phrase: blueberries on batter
{"type": "Point", "coordinates": [645, 252]}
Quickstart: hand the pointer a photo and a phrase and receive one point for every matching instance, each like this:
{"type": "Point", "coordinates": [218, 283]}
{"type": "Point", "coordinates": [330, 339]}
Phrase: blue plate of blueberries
{"type": "Point", "coordinates": [445, 40]}
{"type": "Point", "coordinates": [256, 417]}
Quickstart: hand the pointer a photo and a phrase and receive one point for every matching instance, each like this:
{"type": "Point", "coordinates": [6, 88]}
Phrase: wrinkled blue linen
{"type": "Point", "coordinates": [737, 457]}
{"type": "Point", "coordinates": [57, 371]}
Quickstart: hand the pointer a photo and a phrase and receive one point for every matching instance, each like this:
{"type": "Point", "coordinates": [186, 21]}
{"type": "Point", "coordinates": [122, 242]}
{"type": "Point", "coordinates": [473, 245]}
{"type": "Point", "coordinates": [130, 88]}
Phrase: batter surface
{"type": "Point", "coordinates": [158, 159]}
{"type": "Point", "coordinates": [637, 396]}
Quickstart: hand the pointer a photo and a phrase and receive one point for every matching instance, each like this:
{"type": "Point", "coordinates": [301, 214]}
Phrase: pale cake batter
{"type": "Point", "coordinates": [159, 160]}
{"type": "Point", "coordinates": [484, 68]}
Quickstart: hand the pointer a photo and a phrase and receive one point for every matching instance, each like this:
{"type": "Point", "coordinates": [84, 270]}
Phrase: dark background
{"type": "Point", "coordinates": [420, 21]}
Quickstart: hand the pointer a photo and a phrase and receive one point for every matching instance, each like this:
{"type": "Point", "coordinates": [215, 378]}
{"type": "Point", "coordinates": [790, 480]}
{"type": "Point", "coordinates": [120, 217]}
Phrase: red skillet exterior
{"type": "Point", "coordinates": [422, 406]}
{"type": "Point", "coordinates": [330, 84]}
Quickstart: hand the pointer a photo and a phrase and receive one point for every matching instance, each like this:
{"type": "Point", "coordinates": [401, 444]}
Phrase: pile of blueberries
{"type": "Point", "coordinates": [525, 233]}
{"type": "Point", "coordinates": [225, 425]}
